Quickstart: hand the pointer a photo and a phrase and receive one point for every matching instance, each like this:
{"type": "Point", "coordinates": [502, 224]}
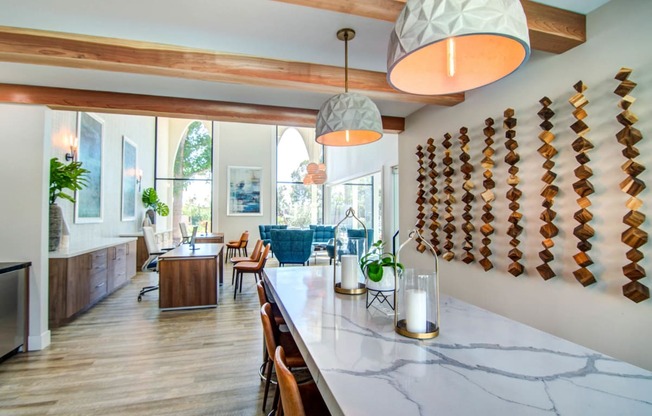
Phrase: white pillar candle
{"type": "Point", "coordinates": [349, 271]}
{"type": "Point", "coordinates": [415, 310]}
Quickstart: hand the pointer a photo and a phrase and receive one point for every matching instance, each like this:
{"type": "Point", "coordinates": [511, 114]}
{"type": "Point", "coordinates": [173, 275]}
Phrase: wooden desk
{"type": "Point", "coordinates": [202, 238]}
{"type": "Point", "coordinates": [481, 363]}
{"type": "Point", "coordinates": [188, 279]}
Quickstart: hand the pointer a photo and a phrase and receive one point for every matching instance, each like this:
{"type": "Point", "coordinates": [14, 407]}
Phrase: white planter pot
{"type": "Point", "coordinates": [386, 283]}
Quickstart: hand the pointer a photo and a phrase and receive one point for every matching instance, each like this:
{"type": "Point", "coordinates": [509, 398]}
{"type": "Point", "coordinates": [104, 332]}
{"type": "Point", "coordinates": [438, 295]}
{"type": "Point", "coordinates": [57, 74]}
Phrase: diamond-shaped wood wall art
{"type": "Point", "coordinates": [434, 198]}
{"type": "Point", "coordinates": [633, 236]}
{"type": "Point", "coordinates": [513, 194]}
{"type": "Point", "coordinates": [449, 200]}
{"type": "Point", "coordinates": [468, 198]}
{"type": "Point", "coordinates": [547, 151]}
{"type": "Point", "coordinates": [421, 197]}
{"type": "Point", "coordinates": [488, 195]}
{"type": "Point", "coordinates": [582, 187]}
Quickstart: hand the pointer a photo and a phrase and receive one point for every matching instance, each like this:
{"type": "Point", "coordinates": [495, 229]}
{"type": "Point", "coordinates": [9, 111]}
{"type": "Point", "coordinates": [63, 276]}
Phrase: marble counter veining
{"type": "Point", "coordinates": [79, 247]}
{"type": "Point", "coordinates": [481, 363]}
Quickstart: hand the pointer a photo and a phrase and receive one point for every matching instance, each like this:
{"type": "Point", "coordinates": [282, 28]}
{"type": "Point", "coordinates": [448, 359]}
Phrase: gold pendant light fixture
{"type": "Point", "coordinates": [348, 119]}
{"type": "Point", "coordinates": [448, 46]}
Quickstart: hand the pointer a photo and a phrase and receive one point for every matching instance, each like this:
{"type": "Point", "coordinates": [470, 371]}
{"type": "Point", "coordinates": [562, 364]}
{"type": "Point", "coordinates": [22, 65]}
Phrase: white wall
{"type": "Point", "coordinates": [599, 316]}
{"type": "Point", "coordinates": [239, 144]}
{"type": "Point", "coordinates": [346, 163]}
{"type": "Point", "coordinates": [140, 130]}
{"type": "Point", "coordinates": [24, 139]}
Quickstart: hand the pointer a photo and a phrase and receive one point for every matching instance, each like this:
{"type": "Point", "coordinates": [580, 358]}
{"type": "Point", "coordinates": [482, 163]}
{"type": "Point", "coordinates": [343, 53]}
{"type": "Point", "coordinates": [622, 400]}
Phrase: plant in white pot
{"type": "Point", "coordinates": [379, 266]}
{"type": "Point", "coordinates": [62, 177]}
{"type": "Point", "coordinates": [154, 206]}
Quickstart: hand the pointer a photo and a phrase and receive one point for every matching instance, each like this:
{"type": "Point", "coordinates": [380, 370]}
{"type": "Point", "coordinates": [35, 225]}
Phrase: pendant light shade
{"type": "Point", "coordinates": [348, 119]}
{"type": "Point", "coordinates": [447, 46]}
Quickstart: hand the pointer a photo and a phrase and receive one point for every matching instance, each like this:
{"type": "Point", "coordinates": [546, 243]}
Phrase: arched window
{"type": "Point", "coordinates": [297, 205]}
{"type": "Point", "coordinates": [184, 172]}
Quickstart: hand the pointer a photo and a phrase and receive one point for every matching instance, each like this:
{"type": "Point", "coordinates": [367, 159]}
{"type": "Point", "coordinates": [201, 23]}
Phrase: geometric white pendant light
{"type": "Point", "coordinates": [348, 119]}
{"type": "Point", "coordinates": [448, 46]}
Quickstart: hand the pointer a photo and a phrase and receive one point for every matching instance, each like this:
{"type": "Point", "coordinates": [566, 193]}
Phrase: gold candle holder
{"type": "Point", "coordinates": [416, 296]}
{"type": "Point", "coordinates": [362, 288]}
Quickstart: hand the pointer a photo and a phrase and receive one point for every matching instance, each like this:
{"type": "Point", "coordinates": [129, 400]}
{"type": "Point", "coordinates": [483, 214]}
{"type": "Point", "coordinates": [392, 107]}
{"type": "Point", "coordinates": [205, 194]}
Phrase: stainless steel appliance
{"type": "Point", "coordinates": [13, 310]}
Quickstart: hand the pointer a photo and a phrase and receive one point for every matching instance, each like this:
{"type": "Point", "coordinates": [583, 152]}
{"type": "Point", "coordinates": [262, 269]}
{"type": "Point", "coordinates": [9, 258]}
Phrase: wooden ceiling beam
{"type": "Point", "coordinates": [551, 29]}
{"type": "Point", "coordinates": [38, 47]}
{"type": "Point", "coordinates": [151, 105]}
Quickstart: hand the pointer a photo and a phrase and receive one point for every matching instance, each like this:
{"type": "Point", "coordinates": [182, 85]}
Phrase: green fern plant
{"type": "Point", "coordinates": [66, 176]}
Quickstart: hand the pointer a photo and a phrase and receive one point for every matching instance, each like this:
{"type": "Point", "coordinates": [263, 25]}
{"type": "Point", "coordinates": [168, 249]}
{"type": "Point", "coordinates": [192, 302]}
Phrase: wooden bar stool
{"type": "Point", "coordinates": [274, 338]}
{"type": "Point", "coordinates": [297, 399]}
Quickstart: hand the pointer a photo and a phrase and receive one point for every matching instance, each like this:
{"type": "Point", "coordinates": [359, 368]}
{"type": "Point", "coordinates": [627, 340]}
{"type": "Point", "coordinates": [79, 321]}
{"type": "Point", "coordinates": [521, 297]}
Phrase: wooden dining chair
{"type": "Point", "coordinates": [253, 267]}
{"type": "Point", "coordinates": [274, 338]}
{"type": "Point", "coordinates": [239, 245]}
{"type": "Point", "coordinates": [297, 399]}
{"type": "Point", "coordinates": [255, 256]}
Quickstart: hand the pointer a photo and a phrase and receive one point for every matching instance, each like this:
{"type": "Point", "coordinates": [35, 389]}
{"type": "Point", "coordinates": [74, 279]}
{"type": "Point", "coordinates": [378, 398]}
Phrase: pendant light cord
{"type": "Point", "coordinates": [346, 62]}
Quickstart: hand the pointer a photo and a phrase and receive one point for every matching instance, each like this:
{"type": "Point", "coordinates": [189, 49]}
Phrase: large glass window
{"type": "Point", "coordinates": [297, 205]}
{"type": "Point", "coordinates": [184, 165]}
{"type": "Point", "coordinates": [364, 195]}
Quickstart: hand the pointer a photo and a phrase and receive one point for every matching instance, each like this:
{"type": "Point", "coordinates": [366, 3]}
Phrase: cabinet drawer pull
{"type": "Point", "coordinates": [100, 285]}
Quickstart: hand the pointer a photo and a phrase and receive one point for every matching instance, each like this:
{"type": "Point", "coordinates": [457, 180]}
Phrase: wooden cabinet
{"type": "Point", "coordinates": [77, 283]}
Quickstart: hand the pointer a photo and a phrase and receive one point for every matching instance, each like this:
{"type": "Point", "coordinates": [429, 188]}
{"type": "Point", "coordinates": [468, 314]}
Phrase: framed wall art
{"type": "Point", "coordinates": [90, 131]}
{"type": "Point", "coordinates": [244, 191]}
{"type": "Point", "coordinates": [129, 179]}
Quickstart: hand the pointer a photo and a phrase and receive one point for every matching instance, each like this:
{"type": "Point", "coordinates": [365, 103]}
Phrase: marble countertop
{"type": "Point", "coordinates": [83, 247]}
{"type": "Point", "coordinates": [480, 364]}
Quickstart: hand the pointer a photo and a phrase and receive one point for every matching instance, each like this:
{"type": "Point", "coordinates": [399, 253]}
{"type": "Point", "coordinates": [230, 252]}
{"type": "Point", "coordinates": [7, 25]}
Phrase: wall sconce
{"type": "Point", "coordinates": [72, 155]}
{"type": "Point", "coordinates": [139, 178]}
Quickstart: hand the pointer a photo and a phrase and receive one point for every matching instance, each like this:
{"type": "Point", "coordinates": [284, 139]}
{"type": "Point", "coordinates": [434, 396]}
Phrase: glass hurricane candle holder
{"type": "Point", "coordinates": [416, 299]}
{"type": "Point", "coordinates": [347, 276]}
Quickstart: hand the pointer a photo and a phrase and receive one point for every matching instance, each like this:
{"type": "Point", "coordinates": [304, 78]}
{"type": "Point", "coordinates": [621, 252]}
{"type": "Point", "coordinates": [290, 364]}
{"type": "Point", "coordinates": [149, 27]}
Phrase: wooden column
{"type": "Point", "coordinates": [434, 198]}
{"type": "Point", "coordinates": [513, 194]}
{"type": "Point", "coordinates": [467, 198]}
{"type": "Point", "coordinates": [488, 195]}
{"type": "Point", "coordinates": [421, 197]}
{"type": "Point", "coordinates": [449, 191]}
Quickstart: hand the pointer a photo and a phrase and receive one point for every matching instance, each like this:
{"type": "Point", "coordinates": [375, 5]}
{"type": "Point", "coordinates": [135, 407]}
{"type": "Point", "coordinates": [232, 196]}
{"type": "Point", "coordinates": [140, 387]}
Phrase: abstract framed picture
{"type": "Point", "coordinates": [129, 179]}
{"type": "Point", "coordinates": [89, 204]}
{"type": "Point", "coordinates": [244, 191]}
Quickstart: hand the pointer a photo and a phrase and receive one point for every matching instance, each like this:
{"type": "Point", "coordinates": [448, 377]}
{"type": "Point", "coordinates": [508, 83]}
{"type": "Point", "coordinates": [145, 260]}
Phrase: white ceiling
{"type": "Point", "coordinates": [254, 27]}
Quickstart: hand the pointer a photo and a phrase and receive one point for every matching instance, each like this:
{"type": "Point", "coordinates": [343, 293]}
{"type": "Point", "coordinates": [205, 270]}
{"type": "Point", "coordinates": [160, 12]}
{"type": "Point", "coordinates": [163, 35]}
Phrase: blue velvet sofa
{"type": "Point", "coordinates": [266, 232]}
{"type": "Point", "coordinates": [292, 246]}
{"type": "Point", "coordinates": [323, 233]}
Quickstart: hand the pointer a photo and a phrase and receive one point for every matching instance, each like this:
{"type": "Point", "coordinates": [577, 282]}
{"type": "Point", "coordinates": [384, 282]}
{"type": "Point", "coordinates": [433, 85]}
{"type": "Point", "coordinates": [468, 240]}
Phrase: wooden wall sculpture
{"type": "Point", "coordinates": [434, 198]}
{"type": "Point", "coordinates": [488, 195]}
{"type": "Point", "coordinates": [633, 236]}
{"type": "Point", "coordinates": [449, 191]}
{"type": "Point", "coordinates": [421, 198]}
{"type": "Point", "coordinates": [468, 198]}
{"type": "Point", "coordinates": [548, 230]}
{"type": "Point", "coordinates": [583, 187]}
{"type": "Point", "coordinates": [513, 194]}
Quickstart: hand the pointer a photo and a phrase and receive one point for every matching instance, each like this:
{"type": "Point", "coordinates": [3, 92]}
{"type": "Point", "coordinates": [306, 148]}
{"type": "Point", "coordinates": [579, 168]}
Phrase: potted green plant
{"type": "Point", "coordinates": [63, 177]}
{"type": "Point", "coordinates": [378, 266]}
{"type": "Point", "coordinates": [154, 206]}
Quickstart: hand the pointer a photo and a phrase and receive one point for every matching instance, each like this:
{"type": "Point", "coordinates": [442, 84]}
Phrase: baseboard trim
{"type": "Point", "coordinates": [39, 342]}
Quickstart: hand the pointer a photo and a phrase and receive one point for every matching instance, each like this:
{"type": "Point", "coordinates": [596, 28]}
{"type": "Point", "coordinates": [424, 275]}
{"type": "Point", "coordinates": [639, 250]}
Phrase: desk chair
{"type": "Point", "coordinates": [250, 267]}
{"type": "Point", "coordinates": [240, 244]}
{"type": "Point", "coordinates": [255, 256]}
{"type": "Point", "coordinates": [185, 235]}
{"type": "Point", "coordinates": [151, 264]}
{"type": "Point", "coordinates": [297, 399]}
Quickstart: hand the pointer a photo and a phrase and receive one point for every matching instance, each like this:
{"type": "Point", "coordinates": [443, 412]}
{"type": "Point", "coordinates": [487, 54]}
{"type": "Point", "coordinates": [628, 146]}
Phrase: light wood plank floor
{"type": "Point", "coordinates": [128, 358]}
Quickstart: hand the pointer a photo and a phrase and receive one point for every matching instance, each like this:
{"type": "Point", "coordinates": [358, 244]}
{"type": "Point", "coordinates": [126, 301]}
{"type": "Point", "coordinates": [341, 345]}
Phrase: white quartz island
{"type": "Point", "coordinates": [481, 363]}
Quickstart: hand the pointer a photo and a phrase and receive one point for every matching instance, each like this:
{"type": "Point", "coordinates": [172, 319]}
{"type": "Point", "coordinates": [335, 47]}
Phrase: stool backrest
{"type": "Point", "coordinates": [290, 395]}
